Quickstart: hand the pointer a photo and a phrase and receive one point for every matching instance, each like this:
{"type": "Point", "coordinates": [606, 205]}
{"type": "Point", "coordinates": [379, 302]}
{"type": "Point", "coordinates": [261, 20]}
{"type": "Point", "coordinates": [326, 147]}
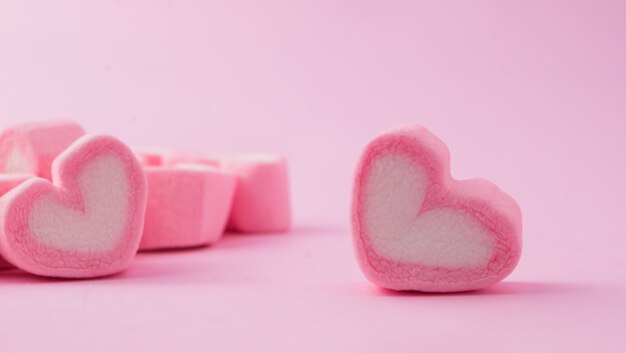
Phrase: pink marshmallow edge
{"type": "Point", "coordinates": [151, 157]}
{"type": "Point", "coordinates": [7, 183]}
{"type": "Point", "coordinates": [497, 211]}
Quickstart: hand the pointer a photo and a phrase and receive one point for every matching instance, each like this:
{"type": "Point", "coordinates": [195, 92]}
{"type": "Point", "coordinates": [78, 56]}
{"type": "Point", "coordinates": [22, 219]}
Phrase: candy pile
{"type": "Point", "coordinates": [78, 206]}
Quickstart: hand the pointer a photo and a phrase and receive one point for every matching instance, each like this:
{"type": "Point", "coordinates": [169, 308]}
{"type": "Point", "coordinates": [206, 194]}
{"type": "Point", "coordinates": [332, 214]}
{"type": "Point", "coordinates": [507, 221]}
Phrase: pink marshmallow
{"type": "Point", "coordinates": [184, 158]}
{"type": "Point", "coordinates": [87, 222]}
{"type": "Point", "coordinates": [8, 182]}
{"type": "Point", "coordinates": [152, 157]}
{"type": "Point", "coordinates": [417, 228]}
{"type": "Point", "coordinates": [188, 206]}
{"type": "Point", "coordinates": [31, 147]}
{"type": "Point", "coordinates": [262, 201]}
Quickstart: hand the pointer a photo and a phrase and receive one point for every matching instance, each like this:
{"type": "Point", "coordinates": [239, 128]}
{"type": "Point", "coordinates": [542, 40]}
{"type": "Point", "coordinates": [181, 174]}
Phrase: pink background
{"type": "Point", "coordinates": [529, 94]}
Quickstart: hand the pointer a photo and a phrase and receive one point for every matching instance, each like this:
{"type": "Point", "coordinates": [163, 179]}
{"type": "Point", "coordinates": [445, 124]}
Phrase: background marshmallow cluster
{"type": "Point", "coordinates": [191, 200]}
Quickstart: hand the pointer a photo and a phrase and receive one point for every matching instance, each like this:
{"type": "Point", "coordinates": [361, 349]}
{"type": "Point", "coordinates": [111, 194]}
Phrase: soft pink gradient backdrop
{"type": "Point", "coordinates": [531, 95]}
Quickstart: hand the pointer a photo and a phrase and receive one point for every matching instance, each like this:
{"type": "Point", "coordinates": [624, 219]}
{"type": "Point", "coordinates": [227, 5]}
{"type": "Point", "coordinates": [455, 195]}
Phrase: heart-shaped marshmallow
{"type": "Point", "coordinates": [417, 228]}
{"type": "Point", "coordinates": [87, 222]}
{"type": "Point", "coordinates": [188, 205]}
{"type": "Point", "coordinates": [31, 147]}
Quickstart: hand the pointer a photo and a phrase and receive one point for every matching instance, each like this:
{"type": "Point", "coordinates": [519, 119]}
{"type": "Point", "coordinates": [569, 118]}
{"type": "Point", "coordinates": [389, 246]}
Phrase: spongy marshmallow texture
{"type": "Point", "coordinates": [416, 228]}
{"type": "Point", "coordinates": [87, 222]}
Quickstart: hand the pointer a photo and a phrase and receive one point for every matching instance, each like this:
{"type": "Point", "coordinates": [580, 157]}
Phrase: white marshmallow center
{"type": "Point", "coordinates": [445, 237]}
{"type": "Point", "coordinates": [104, 185]}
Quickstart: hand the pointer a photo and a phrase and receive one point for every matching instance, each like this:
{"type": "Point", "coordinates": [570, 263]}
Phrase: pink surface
{"type": "Point", "coordinates": [61, 210]}
{"type": "Point", "coordinates": [495, 211]}
{"type": "Point", "coordinates": [526, 94]}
